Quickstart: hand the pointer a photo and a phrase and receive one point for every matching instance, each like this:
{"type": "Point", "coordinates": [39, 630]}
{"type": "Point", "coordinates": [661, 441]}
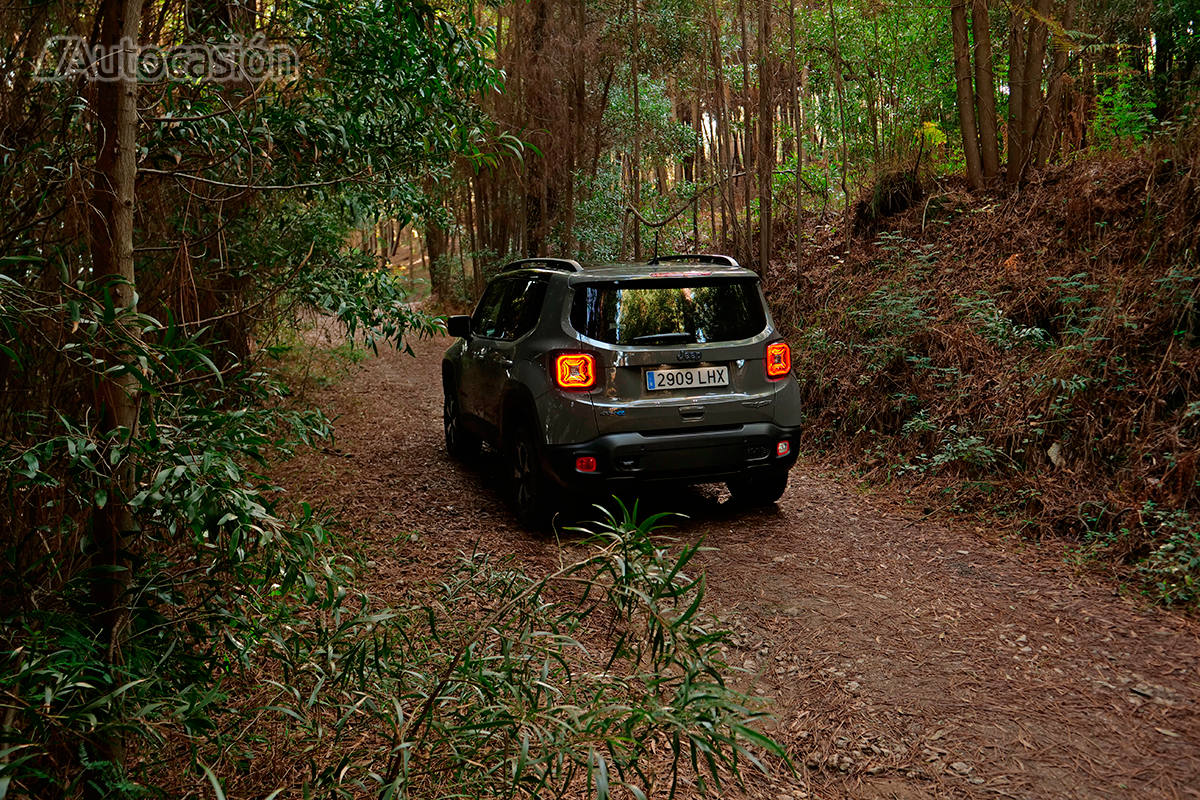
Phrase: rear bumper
{"type": "Point", "coordinates": [625, 460]}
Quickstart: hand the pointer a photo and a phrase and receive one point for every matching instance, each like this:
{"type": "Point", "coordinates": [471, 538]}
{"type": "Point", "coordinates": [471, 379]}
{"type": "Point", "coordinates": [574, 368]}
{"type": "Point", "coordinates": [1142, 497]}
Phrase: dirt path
{"type": "Point", "coordinates": [907, 659]}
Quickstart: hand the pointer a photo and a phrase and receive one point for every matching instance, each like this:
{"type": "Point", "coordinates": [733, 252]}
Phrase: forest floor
{"type": "Point", "coordinates": [903, 657]}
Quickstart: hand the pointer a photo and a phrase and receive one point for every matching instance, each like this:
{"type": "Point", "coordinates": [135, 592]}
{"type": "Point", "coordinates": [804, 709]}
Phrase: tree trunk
{"type": "Point", "coordinates": [1051, 126]}
{"type": "Point", "coordinates": [747, 252]}
{"type": "Point", "coordinates": [539, 171]}
{"type": "Point", "coordinates": [112, 259]}
{"type": "Point", "coordinates": [577, 111]}
{"type": "Point", "coordinates": [474, 238]}
{"type": "Point", "coordinates": [1016, 94]}
{"type": "Point", "coordinates": [766, 139]}
{"type": "Point", "coordinates": [111, 240]}
{"type": "Point", "coordinates": [966, 98]}
{"type": "Point", "coordinates": [723, 166]}
{"type": "Point", "coordinates": [798, 123]}
{"type": "Point", "coordinates": [1031, 90]}
{"type": "Point", "coordinates": [1165, 72]}
{"type": "Point", "coordinates": [636, 167]}
{"type": "Point", "coordinates": [437, 253]}
{"type": "Point", "coordinates": [985, 89]}
{"type": "Point", "coordinates": [839, 91]}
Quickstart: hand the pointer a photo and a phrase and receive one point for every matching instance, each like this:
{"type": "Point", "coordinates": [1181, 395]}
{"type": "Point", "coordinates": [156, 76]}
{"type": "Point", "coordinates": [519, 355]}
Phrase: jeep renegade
{"type": "Point", "coordinates": [592, 381]}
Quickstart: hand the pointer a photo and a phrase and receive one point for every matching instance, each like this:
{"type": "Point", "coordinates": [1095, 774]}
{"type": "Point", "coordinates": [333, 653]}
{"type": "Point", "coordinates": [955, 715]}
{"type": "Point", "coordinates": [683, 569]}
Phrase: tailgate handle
{"type": "Point", "coordinates": [692, 413]}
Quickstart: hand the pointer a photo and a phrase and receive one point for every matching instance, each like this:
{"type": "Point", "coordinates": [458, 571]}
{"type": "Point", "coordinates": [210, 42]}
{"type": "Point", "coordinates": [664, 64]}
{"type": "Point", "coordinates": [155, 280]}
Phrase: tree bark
{"type": "Point", "coordinates": [766, 138]}
{"type": "Point", "coordinates": [113, 198]}
{"type": "Point", "coordinates": [746, 254]}
{"type": "Point", "coordinates": [985, 89]}
{"type": "Point", "coordinates": [1031, 90]}
{"type": "Point", "coordinates": [111, 240]}
{"type": "Point", "coordinates": [839, 91]}
{"type": "Point", "coordinates": [1165, 73]}
{"type": "Point", "coordinates": [1049, 132]}
{"type": "Point", "coordinates": [636, 166]}
{"type": "Point", "coordinates": [537, 203]}
{"type": "Point", "coordinates": [1016, 94]}
{"type": "Point", "coordinates": [798, 123]}
{"type": "Point", "coordinates": [724, 158]}
{"type": "Point", "coordinates": [437, 247]}
{"type": "Point", "coordinates": [966, 98]}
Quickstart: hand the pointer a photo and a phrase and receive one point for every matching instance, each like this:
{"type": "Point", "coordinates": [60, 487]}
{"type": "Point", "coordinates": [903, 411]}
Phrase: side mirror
{"type": "Point", "coordinates": [459, 326]}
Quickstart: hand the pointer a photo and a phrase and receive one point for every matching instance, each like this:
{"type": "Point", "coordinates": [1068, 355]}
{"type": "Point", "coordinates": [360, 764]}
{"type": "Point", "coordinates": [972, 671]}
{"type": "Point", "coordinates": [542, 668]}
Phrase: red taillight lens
{"type": "Point", "coordinates": [779, 360]}
{"type": "Point", "coordinates": [585, 464]}
{"type": "Point", "coordinates": [575, 371]}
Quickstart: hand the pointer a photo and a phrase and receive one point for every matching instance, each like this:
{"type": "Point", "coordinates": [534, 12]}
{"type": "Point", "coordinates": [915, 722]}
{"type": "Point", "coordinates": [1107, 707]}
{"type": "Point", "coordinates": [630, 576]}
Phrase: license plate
{"type": "Point", "coordinates": [687, 378]}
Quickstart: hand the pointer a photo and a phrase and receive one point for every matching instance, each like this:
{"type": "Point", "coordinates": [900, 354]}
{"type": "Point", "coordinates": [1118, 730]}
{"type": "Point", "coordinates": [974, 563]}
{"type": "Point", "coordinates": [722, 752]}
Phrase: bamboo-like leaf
{"type": "Point", "coordinates": [212, 779]}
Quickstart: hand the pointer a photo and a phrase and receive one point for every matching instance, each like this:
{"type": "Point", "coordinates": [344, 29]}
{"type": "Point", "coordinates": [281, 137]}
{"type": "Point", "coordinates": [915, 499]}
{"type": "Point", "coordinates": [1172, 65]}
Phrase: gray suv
{"type": "Point", "coordinates": [593, 381]}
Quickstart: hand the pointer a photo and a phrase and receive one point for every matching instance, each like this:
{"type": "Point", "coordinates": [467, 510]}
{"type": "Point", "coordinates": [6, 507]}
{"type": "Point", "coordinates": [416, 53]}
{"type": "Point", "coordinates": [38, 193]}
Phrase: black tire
{"type": "Point", "coordinates": [760, 490]}
{"type": "Point", "coordinates": [528, 486]}
{"type": "Point", "coordinates": [460, 443]}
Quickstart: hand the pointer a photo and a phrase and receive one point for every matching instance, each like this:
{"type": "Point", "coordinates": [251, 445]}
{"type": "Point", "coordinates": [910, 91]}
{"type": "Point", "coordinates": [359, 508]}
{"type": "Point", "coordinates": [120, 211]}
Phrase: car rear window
{"type": "Point", "coordinates": [668, 312]}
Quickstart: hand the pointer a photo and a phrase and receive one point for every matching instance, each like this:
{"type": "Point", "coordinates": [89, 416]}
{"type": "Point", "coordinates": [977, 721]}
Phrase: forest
{"type": "Point", "coordinates": [976, 221]}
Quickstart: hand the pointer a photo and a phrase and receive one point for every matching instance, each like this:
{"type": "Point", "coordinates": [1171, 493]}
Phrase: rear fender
{"type": "Point", "coordinates": [519, 407]}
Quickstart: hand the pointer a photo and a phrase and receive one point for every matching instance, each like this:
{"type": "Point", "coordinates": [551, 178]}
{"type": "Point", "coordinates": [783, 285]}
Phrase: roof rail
{"type": "Point", "coordinates": [560, 264]}
{"type": "Point", "coordinates": [699, 258]}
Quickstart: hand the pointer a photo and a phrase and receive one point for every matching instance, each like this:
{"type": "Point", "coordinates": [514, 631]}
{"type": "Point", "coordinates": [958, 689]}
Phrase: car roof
{"type": "Point", "coordinates": [673, 269]}
{"type": "Point", "coordinates": [669, 267]}
{"type": "Point", "coordinates": [634, 271]}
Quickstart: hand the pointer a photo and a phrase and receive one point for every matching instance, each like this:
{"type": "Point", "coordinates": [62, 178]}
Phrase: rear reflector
{"type": "Point", "coordinates": [779, 360]}
{"type": "Point", "coordinates": [585, 464]}
{"type": "Point", "coordinates": [575, 371]}
{"type": "Point", "coordinates": [783, 448]}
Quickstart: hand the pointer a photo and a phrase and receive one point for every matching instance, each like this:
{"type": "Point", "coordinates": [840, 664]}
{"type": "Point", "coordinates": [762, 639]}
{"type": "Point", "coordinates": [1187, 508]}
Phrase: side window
{"type": "Point", "coordinates": [485, 320]}
{"type": "Point", "coordinates": [521, 307]}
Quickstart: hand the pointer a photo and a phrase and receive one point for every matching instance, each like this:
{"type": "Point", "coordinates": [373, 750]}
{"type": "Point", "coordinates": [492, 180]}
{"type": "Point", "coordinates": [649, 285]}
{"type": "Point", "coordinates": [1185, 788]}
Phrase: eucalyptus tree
{"type": "Point", "coordinates": [178, 183]}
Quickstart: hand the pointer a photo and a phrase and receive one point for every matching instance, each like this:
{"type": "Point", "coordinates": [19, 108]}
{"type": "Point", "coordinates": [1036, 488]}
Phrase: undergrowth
{"type": "Point", "coordinates": [255, 665]}
{"type": "Point", "coordinates": [1035, 354]}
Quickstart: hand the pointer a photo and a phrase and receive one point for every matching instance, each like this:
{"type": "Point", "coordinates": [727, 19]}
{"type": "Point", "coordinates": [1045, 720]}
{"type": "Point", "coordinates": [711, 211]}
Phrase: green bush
{"type": "Point", "coordinates": [211, 564]}
{"type": "Point", "coordinates": [997, 328]}
{"type": "Point", "coordinates": [1124, 111]}
{"type": "Point", "coordinates": [1172, 569]}
{"type": "Point", "coordinates": [499, 684]}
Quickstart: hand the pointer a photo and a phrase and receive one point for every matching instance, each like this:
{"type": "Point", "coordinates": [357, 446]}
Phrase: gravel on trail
{"type": "Point", "coordinates": [903, 657]}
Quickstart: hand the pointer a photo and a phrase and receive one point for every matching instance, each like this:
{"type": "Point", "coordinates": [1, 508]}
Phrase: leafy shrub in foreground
{"type": "Point", "coordinates": [1172, 569]}
{"type": "Point", "coordinates": [580, 676]}
{"type": "Point", "coordinates": [603, 674]}
{"type": "Point", "coordinates": [108, 658]}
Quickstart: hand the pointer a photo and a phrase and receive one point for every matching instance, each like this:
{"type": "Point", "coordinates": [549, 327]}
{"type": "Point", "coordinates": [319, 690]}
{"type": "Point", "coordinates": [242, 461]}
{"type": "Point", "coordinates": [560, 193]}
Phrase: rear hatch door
{"type": "Point", "coordinates": [676, 352]}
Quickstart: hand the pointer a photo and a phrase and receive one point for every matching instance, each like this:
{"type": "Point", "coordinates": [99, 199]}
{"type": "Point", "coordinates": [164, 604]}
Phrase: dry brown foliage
{"type": "Point", "coordinates": [1033, 354]}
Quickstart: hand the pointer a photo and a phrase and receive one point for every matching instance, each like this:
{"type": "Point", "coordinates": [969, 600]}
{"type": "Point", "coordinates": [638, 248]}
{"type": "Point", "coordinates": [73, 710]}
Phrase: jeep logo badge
{"type": "Point", "coordinates": [689, 355]}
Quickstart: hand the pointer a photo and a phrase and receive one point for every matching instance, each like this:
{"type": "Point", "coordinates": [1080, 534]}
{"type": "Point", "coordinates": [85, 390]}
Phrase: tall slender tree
{"type": "Point", "coordinates": [766, 137]}
{"type": "Point", "coordinates": [111, 242]}
{"type": "Point", "coordinates": [1052, 125]}
{"type": "Point", "coordinates": [966, 97]}
{"type": "Point", "coordinates": [985, 88]}
{"type": "Point", "coordinates": [1027, 54]}
{"type": "Point", "coordinates": [635, 165]}
{"type": "Point", "coordinates": [1016, 93]}
{"type": "Point", "coordinates": [797, 123]}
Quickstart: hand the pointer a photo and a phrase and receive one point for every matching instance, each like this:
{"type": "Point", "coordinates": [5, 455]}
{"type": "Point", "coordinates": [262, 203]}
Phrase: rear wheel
{"type": "Point", "coordinates": [460, 443]}
{"type": "Point", "coordinates": [758, 490]}
{"type": "Point", "coordinates": [528, 487]}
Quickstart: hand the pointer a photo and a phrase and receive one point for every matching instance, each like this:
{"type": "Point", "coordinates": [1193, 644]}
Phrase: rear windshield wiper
{"type": "Point", "coordinates": [665, 338]}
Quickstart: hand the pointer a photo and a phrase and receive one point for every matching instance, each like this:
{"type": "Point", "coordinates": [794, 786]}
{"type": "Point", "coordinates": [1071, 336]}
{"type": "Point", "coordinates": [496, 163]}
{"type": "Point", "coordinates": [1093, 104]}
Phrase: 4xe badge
{"type": "Point", "coordinates": [688, 355]}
